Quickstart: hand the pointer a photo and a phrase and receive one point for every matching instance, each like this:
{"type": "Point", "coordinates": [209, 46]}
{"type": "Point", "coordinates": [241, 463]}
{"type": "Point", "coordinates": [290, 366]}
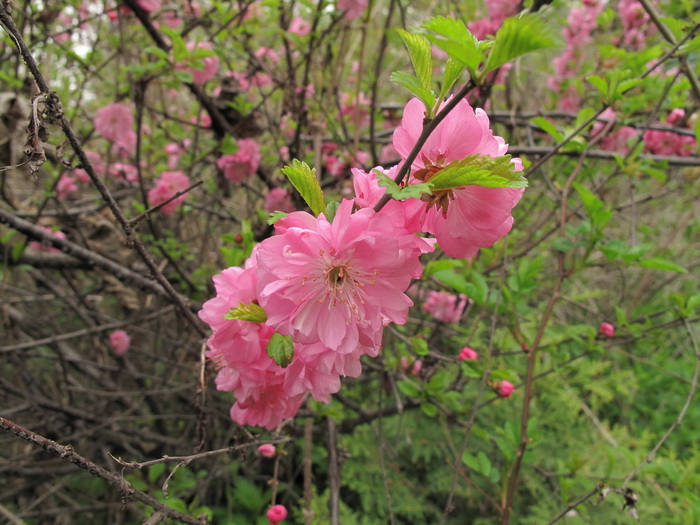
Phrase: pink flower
{"type": "Point", "coordinates": [607, 329]}
{"type": "Point", "coordinates": [267, 450]}
{"type": "Point", "coordinates": [149, 5]}
{"type": "Point", "coordinates": [299, 26]}
{"type": "Point", "coordinates": [504, 388]}
{"type": "Point", "coordinates": [169, 183]}
{"type": "Point", "coordinates": [39, 247]}
{"type": "Point", "coordinates": [114, 121]}
{"type": "Point", "coordinates": [443, 306]}
{"type": "Point", "coordinates": [464, 219]}
{"type": "Point", "coordinates": [66, 186]}
{"type": "Point", "coordinates": [239, 349]}
{"type": "Point", "coordinates": [242, 164]}
{"type": "Point", "coordinates": [336, 283]}
{"type": "Point", "coordinates": [127, 172]}
{"type": "Point", "coordinates": [120, 341]}
{"type": "Point", "coordinates": [278, 199]}
{"type": "Point", "coordinates": [276, 513]}
{"type": "Point", "coordinates": [467, 354]}
{"type": "Point", "coordinates": [417, 367]}
{"type": "Point", "coordinates": [352, 8]}
{"type": "Point", "coordinates": [204, 68]}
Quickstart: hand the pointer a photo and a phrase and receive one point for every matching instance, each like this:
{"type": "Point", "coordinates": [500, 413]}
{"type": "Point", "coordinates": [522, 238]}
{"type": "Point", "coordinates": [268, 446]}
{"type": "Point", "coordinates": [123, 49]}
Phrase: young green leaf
{"type": "Point", "coordinates": [659, 263]}
{"type": "Point", "coordinates": [331, 209]}
{"type": "Point", "coordinates": [281, 349]}
{"type": "Point", "coordinates": [275, 216]}
{"type": "Point", "coordinates": [412, 84]}
{"type": "Point", "coordinates": [421, 56]}
{"type": "Point", "coordinates": [453, 70]}
{"type": "Point", "coordinates": [412, 191]}
{"type": "Point", "coordinates": [516, 37]}
{"type": "Point", "coordinates": [456, 40]}
{"type": "Point", "coordinates": [247, 312]}
{"type": "Point", "coordinates": [304, 180]}
{"type": "Point", "coordinates": [549, 128]}
{"type": "Point", "coordinates": [480, 170]}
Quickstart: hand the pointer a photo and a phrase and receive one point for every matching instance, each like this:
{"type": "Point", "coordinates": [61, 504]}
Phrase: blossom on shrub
{"type": "Point", "coordinates": [242, 164]}
{"type": "Point", "coordinates": [278, 199]}
{"type": "Point", "coordinates": [267, 450]}
{"type": "Point", "coordinates": [168, 184]}
{"type": "Point", "coordinates": [504, 388]}
{"type": "Point", "coordinates": [114, 121]}
{"type": "Point", "coordinates": [40, 247]}
{"type": "Point", "coordinates": [468, 218]}
{"type": "Point", "coordinates": [120, 341]}
{"type": "Point", "coordinates": [276, 513]}
{"type": "Point", "coordinates": [336, 283]}
{"type": "Point", "coordinates": [607, 329]}
{"type": "Point", "coordinates": [66, 186]}
{"type": "Point", "coordinates": [467, 354]}
{"type": "Point", "coordinates": [299, 26]}
{"type": "Point", "coordinates": [205, 67]}
{"type": "Point", "coordinates": [444, 307]}
{"type": "Point", "coordinates": [352, 9]}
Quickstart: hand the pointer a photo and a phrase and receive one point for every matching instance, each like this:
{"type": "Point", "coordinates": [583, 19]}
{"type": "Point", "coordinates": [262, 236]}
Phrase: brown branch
{"type": "Point", "coordinates": [125, 488]}
{"type": "Point", "coordinates": [578, 502]}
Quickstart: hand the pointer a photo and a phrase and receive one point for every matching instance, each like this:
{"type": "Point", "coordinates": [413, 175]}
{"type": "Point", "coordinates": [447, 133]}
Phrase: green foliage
{"type": "Point", "coordinates": [305, 182]}
{"type": "Point", "coordinates": [247, 312]}
{"type": "Point", "coordinates": [480, 170]}
{"type": "Point", "coordinates": [281, 349]}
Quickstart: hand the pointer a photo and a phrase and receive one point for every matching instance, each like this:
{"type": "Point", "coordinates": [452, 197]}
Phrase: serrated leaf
{"type": "Point", "coordinates": [304, 181]}
{"type": "Point", "coordinates": [453, 70]}
{"type": "Point", "coordinates": [470, 368]}
{"type": "Point", "coordinates": [412, 191]}
{"type": "Point", "coordinates": [412, 84]}
{"type": "Point", "coordinates": [659, 263]}
{"type": "Point", "coordinates": [421, 56]}
{"type": "Point", "coordinates": [229, 146]}
{"type": "Point", "coordinates": [518, 36]}
{"type": "Point", "coordinates": [452, 279]}
{"type": "Point", "coordinates": [331, 209]}
{"type": "Point", "coordinates": [420, 346]}
{"type": "Point", "coordinates": [548, 127]}
{"type": "Point", "coordinates": [429, 409]}
{"type": "Point", "coordinates": [408, 388]}
{"type": "Point", "coordinates": [600, 83]}
{"type": "Point", "coordinates": [479, 170]}
{"type": "Point", "coordinates": [676, 26]}
{"type": "Point", "coordinates": [275, 216]}
{"type": "Point", "coordinates": [281, 349]}
{"type": "Point", "coordinates": [247, 312]}
{"type": "Point", "coordinates": [458, 42]}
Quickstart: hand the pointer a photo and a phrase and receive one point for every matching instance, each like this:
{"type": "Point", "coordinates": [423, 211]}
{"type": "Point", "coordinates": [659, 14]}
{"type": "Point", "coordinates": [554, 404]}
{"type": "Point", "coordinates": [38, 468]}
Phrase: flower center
{"type": "Point", "coordinates": [440, 198]}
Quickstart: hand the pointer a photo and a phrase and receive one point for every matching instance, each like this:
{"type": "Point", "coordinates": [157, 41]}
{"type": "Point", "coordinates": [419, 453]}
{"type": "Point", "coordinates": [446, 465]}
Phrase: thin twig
{"type": "Point", "coordinates": [578, 502]}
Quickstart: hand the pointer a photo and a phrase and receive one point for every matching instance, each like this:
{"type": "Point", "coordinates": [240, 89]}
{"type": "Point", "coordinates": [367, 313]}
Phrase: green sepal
{"type": "Point", "coordinates": [281, 349]}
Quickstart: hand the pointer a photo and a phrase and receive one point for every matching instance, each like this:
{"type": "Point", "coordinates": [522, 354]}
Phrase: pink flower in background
{"type": "Point", "coordinates": [299, 26]}
{"type": "Point", "coordinates": [242, 164]}
{"type": "Point", "coordinates": [127, 172]}
{"type": "Point", "coordinates": [114, 121]}
{"type": "Point", "coordinates": [416, 368]}
{"type": "Point", "coordinates": [464, 219]}
{"type": "Point", "coordinates": [168, 184]}
{"type": "Point", "coordinates": [336, 283]}
{"type": "Point", "coordinates": [278, 199]}
{"type": "Point", "coordinates": [120, 342]}
{"type": "Point", "coordinates": [205, 68]}
{"type": "Point", "coordinates": [504, 388]}
{"type": "Point", "coordinates": [125, 147]}
{"type": "Point", "coordinates": [66, 186]}
{"type": "Point", "coordinates": [267, 450]}
{"type": "Point", "coordinates": [40, 247]}
{"type": "Point", "coordinates": [352, 8]}
{"type": "Point", "coordinates": [467, 354]}
{"type": "Point", "coordinates": [444, 307]}
{"type": "Point", "coordinates": [276, 513]}
{"type": "Point", "coordinates": [149, 5]}
{"type": "Point", "coordinates": [607, 329]}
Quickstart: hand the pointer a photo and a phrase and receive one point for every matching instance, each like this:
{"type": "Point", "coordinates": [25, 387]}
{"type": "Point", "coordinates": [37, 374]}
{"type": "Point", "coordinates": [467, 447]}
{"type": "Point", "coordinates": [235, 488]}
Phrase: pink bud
{"type": "Point", "coordinates": [504, 388]}
{"type": "Point", "coordinates": [417, 366]}
{"type": "Point", "coordinates": [607, 329]}
{"type": "Point", "coordinates": [276, 513]}
{"type": "Point", "coordinates": [468, 353]}
{"type": "Point", "coordinates": [120, 342]}
{"type": "Point", "coordinates": [405, 363]}
{"type": "Point", "coordinates": [267, 450]}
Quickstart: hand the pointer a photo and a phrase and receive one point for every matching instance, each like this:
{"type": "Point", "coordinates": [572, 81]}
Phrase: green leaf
{"type": "Point", "coordinates": [452, 279]}
{"type": "Point", "coordinates": [421, 56]}
{"type": "Point", "coordinates": [408, 388]}
{"type": "Point", "coordinates": [420, 346]}
{"type": "Point", "coordinates": [304, 180]}
{"type": "Point", "coordinates": [471, 368]}
{"type": "Point", "coordinates": [412, 191]}
{"type": "Point", "coordinates": [480, 170]}
{"type": "Point", "coordinates": [548, 127]}
{"type": "Point", "coordinates": [518, 36]}
{"type": "Point", "coordinates": [331, 209]}
{"type": "Point", "coordinates": [247, 312]}
{"type": "Point", "coordinates": [413, 85]}
{"type": "Point", "coordinates": [429, 409]}
{"type": "Point", "coordinates": [600, 83]}
{"type": "Point", "coordinates": [229, 146]}
{"type": "Point", "coordinates": [659, 263]}
{"type": "Point", "coordinates": [457, 41]}
{"type": "Point", "coordinates": [453, 70]}
{"type": "Point", "coordinates": [281, 349]}
{"type": "Point", "coordinates": [439, 382]}
{"type": "Point", "coordinates": [478, 289]}
{"type": "Point", "coordinates": [275, 216]}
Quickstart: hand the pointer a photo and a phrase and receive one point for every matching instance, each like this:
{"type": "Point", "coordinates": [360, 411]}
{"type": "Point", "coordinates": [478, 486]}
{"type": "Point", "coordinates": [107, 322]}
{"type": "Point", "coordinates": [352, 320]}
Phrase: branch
{"type": "Point", "coordinates": [125, 488]}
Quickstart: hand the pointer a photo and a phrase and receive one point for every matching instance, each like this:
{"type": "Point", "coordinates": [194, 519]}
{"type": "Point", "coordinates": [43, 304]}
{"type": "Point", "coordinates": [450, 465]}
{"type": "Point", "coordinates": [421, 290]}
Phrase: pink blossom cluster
{"type": "Point", "coordinates": [332, 286]}
{"type": "Point", "coordinates": [114, 122]}
{"type": "Point", "coordinates": [662, 142]}
{"type": "Point", "coordinates": [167, 185]}
{"type": "Point", "coordinates": [613, 140]}
{"type": "Point", "coordinates": [205, 68]}
{"type": "Point", "coordinates": [636, 23]}
{"type": "Point", "coordinates": [444, 307]}
{"type": "Point", "coordinates": [498, 11]}
{"type": "Point", "coordinates": [40, 247]}
{"type": "Point", "coordinates": [352, 9]}
{"type": "Point", "coordinates": [581, 22]}
{"type": "Point", "coordinates": [242, 164]}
